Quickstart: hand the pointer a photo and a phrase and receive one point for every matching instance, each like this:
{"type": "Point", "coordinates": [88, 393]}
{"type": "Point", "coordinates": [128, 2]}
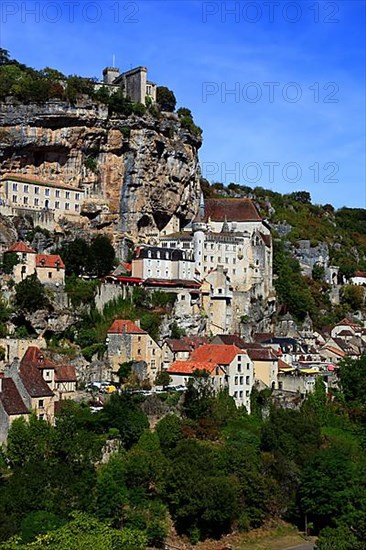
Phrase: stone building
{"type": "Point", "coordinates": [134, 83]}
{"type": "Point", "coordinates": [49, 268]}
{"type": "Point", "coordinates": [127, 341]}
{"type": "Point", "coordinates": [30, 194]}
{"type": "Point", "coordinates": [160, 263]}
{"type": "Point", "coordinates": [232, 249]}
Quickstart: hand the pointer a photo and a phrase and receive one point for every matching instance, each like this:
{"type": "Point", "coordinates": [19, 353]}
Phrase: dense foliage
{"type": "Point", "coordinates": [212, 469]}
{"type": "Point", "coordinates": [93, 260]}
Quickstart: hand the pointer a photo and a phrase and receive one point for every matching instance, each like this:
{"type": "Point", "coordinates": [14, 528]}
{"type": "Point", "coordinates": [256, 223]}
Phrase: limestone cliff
{"type": "Point", "coordinates": [139, 172]}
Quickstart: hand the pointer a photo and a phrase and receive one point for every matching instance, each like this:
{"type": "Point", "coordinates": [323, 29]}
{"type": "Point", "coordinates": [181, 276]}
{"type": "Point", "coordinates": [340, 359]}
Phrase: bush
{"type": "Point", "coordinates": [30, 294]}
{"type": "Point", "coordinates": [165, 98]}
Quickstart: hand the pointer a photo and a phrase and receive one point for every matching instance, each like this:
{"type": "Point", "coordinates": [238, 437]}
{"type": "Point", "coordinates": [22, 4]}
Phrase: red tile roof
{"type": "Point", "coordinates": [65, 373]}
{"type": "Point", "coordinates": [120, 326]}
{"type": "Point", "coordinates": [231, 339]}
{"type": "Point", "coordinates": [240, 210]}
{"type": "Point", "coordinates": [49, 261]}
{"type": "Point", "coordinates": [21, 247]}
{"type": "Point", "coordinates": [189, 367]}
{"type": "Point", "coordinates": [283, 365]}
{"type": "Point", "coordinates": [11, 398]}
{"type": "Point", "coordinates": [360, 274]}
{"type": "Point", "coordinates": [219, 354]}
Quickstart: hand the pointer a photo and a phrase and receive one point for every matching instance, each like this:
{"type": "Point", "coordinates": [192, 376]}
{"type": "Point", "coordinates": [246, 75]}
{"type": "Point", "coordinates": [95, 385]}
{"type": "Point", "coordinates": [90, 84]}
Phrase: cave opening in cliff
{"type": "Point", "coordinates": [144, 221]}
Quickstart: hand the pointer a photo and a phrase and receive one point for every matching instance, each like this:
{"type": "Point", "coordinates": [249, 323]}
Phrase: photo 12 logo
{"type": "Point", "coordinates": [271, 92]}
{"type": "Point", "coordinates": [68, 11]}
{"type": "Point", "coordinates": [270, 172]}
{"type": "Point", "coordinates": [255, 12]}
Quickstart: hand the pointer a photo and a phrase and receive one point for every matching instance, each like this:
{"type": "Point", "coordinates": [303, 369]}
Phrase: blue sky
{"type": "Point", "coordinates": [295, 117]}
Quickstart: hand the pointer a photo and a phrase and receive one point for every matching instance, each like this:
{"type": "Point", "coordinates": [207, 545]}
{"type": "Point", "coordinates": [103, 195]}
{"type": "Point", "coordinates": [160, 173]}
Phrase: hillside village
{"type": "Point", "coordinates": [154, 324]}
{"type": "Point", "coordinates": [216, 268]}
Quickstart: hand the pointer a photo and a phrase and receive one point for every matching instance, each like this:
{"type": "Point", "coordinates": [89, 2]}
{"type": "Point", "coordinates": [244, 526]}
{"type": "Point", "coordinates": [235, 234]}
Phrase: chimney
{"type": "Point", "coordinates": [138, 323]}
{"type": "Point", "coordinates": [1, 384]}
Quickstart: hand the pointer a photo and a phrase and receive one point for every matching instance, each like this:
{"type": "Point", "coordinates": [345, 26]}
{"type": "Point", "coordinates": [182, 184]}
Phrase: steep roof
{"type": "Point", "coordinates": [236, 210]}
{"type": "Point", "coordinates": [49, 261]}
{"type": "Point", "coordinates": [189, 367]}
{"type": "Point", "coordinates": [219, 354]}
{"type": "Point", "coordinates": [21, 247]}
{"type": "Point", "coordinates": [33, 381]}
{"type": "Point", "coordinates": [120, 326]}
{"type": "Point", "coordinates": [11, 398]}
{"type": "Point", "coordinates": [35, 357]}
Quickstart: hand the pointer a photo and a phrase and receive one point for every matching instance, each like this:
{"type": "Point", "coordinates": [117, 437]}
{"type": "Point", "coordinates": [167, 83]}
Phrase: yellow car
{"type": "Point", "coordinates": [110, 389]}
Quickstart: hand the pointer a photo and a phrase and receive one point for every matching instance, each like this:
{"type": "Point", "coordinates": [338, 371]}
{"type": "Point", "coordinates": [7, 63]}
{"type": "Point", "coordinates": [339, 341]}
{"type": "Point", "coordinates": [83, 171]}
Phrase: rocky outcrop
{"type": "Point", "coordinates": [138, 171]}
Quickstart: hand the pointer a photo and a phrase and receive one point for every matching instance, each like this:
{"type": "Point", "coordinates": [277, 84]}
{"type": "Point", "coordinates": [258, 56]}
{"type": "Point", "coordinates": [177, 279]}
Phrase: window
{"type": "Point", "coordinates": [241, 380]}
{"type": "Point", "coordinates": [15, 198]}
{"type": "Point", "coordinates": [67, 206]}
{"type": "Point", "coordinates": [247, 380]}
{"type": "Point", "coordinates": [67, 194]}
{"type": "Point", "coordinates": [25, 200]}
{"type": "Point", "coordinates": [47, 192]}
{"type": "Point", "coordinates": [139, 338]}
{"type": "Point", "coordinates": [248, 366]}
{"type": "Point", "coordinates": [57, 193]}
{"type": "Point", "coordinates": [77, 208]}
{"type": "Point", "coordinates": [40, 403]}
{"type": "Point", "coordinates": [26, 188]}
{"type": "Point", "coordinates": [239, 368]}
{"type": "Point", "coordinates": [247, 393]}
{"type": "Point", "coordinates": [236, 380]}
{"type": "Point", "coordinates": [36, 190]}
{"type": "Point", "coordinates": [241, 394]}
{"type": "Point", "coordinates": [77, 196]}
{"type": "Point", "coordinates": [57, 205]}
{"type": "Point", "coordinates": [15, 187]}
{"type": "Point", "coordinates": [36, 202]}
{"type": "Point", "coordinates": [50, 274]}
{"type": "Point", "coordinates": [235, 394]}
{"type": "Point", "coordinates": [212, 258]}
{"type": "Point", "coordinates": [220, 290]}
{"type": "Point", "coordinates": [139, 351]}
{"type": "Point", "coordinates": [41, 416]}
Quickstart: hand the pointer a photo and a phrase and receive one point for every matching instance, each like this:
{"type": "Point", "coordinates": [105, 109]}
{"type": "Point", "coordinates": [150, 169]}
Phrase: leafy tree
{"type": "Point", "coordinates": [176, 331]}
{"type": "Point", "coordinates": [169, 430]}
{"type": "Point", "coordinates": [80, 292]}
{"type": "Point", "coordinates": [102, 256]}
{"type": "Point", "coordinates": [318, 272]}
{"type": "Point", "coordinates": [163, 379]}
{"type": "Point", "coordinates": [30, 294]}
{"type": "Point", "coordinates": [199, 397]}
{"type": "Point", "coordinates": [9, 262]}
{"type": "Point", "coordinates": [352, 296]}
{"type": "Point", "coordinates": [353, 381]}
{"type": "Point", "coordinates": [37, 523]}
{"type": "Point", "coordinates": [122, 413]}
{"type": "Point", "coordinates": [82, 533]}
{"type": "Point", "coordinates": [165, 98]}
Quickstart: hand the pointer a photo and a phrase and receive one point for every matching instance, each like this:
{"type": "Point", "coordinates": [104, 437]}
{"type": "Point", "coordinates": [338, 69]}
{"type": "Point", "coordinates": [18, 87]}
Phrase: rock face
{"type": "Point", "coordinates": [139, 172]}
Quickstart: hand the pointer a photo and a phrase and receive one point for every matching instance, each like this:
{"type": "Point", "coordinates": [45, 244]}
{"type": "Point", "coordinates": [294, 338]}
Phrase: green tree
{"type": "Point", "coordinates": [165, 98]}
{"type": "Point", "coordinates": [10, 260]}
{"type": "Point", "coordinates": [121, 412]}
{"type": "Point", "coordinates": [163, 379]}
{"type": "Point", "coordinates": [30, 294]}
{"type": "Point", "coordinates": [37, 523]}
{"type": "Point", "coordinates": [102, 256]}
{"type": "Point", "coordinates": [352, 296]}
